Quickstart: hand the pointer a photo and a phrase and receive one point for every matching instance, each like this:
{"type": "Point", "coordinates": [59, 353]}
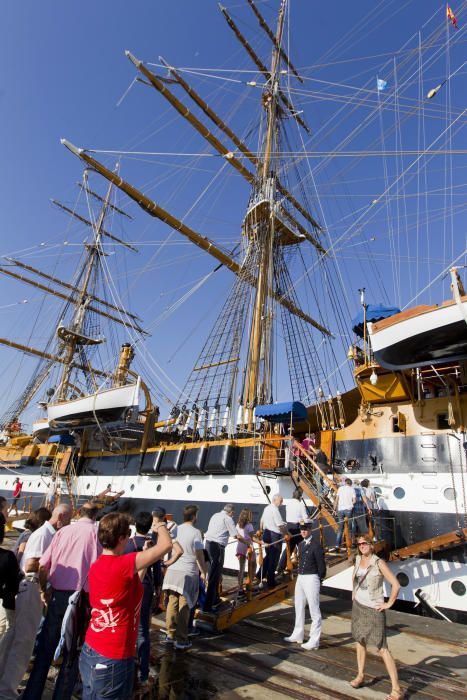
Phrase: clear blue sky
{"type": "Point", "coordinates": [64, 71]}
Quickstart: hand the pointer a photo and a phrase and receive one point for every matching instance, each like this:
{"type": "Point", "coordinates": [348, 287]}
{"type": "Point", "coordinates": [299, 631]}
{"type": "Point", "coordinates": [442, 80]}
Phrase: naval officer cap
{"type": "Point", "coordinates": [305, 524]}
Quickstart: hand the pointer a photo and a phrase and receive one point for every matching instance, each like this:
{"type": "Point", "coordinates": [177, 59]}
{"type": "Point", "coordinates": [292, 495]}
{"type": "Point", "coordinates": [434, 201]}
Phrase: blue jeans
{"type": "Point", "coordinates": [47, 641]}
{"type": "Point", "coordinates": [340, 519]}
{"type": "Point", "coordinates": [113, 680]}
{"type": "Point", "coordinates": [144, 642]}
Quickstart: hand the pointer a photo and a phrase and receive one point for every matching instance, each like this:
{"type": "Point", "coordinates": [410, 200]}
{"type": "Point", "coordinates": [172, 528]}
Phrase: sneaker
{"type": "Point", "coordinates": [146, 685]}
{"type": "Point", "coordinates": [309, 646]}
{"type": "Point", "coordinates": [182, 646]}
{"type": "Point", "coordinates": [168, 640]}
{"type": "Point", "coordinates": [292, 638]}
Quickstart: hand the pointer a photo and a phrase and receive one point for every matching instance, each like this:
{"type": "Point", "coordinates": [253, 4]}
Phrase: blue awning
{"type": "Point", "coordinates": [374, 313]}
{"type": "Point", "coordinates": [282, 412]}
{"type": "Point", "coordinates": [64, 439]}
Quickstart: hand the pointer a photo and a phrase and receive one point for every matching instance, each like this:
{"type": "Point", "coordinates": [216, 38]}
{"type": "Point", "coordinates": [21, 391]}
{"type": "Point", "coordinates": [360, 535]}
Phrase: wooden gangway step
{"type": "Point", "coordinates": [449, 539]}
{"type": "Point", "coordinates": [235, 608]}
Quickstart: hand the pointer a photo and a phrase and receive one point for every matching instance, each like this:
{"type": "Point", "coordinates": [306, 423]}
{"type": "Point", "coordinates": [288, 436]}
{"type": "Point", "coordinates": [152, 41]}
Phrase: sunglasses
{"type": "Point", "coordinates": [360, 544]}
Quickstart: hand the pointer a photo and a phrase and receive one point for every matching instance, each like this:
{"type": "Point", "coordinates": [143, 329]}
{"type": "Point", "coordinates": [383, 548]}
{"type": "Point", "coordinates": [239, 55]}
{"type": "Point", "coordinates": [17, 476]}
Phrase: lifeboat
{"type": "Point", "coordinates": [421, 336]}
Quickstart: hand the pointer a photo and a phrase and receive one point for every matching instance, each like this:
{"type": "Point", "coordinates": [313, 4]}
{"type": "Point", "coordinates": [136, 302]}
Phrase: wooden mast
{"type": "Point", "coordinates": [71, 338]}
{"type": "Point", "coordinates": [48, 356]}
{"type": "Point", "coordinates": [66, 297]}
{"type": "Point", "coordinates": [202, 242]}
{"type": "Point", "coordinates": [202, 104]}
{"type": "Point", "coordinates": [257, 386]}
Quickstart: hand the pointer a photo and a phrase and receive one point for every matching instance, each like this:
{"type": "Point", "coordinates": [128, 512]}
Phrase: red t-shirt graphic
{"type": "Point", "coordinates": [115, 593]}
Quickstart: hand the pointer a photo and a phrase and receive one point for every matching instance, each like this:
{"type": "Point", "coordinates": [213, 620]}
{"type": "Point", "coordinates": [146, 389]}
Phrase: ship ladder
{"type": "Point", "coordinates": [318, 486]}
{"type": "Point", "coordinates": [63, 469]}
{"type": "Point", "coordinates": [434, 544]}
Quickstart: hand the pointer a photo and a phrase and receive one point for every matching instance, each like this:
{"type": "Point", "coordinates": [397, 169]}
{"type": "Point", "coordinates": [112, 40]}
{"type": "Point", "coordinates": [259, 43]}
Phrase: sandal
{"type": "Point", "coordinates": [395, 695]}
{"type": "Point", "coordinates": [358, 681]}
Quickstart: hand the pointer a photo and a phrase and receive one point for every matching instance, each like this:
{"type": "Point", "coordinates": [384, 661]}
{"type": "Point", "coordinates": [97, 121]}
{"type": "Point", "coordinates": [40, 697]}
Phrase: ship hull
{"type": "Point", "coordinates": [405, 520]}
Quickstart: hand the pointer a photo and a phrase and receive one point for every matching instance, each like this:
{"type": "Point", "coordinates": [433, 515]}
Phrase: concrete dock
{"type": "Point", "coordinates": [252, 661]}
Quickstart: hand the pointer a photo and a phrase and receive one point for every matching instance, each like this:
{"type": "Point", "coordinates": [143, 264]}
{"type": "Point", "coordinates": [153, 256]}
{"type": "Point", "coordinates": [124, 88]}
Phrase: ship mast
{"type": "Point", "coordinates": [237, 357]}
{"type": "Point", "coordinates": [73, 337]}
{"type": "Point", "coordinates": [258, 372]}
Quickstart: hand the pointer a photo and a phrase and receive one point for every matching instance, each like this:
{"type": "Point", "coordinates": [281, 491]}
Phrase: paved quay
{"type": "Point", "coordinates": [251, 661]}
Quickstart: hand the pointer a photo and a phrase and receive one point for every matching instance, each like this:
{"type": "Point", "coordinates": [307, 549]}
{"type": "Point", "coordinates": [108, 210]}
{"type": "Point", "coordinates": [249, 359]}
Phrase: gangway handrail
{"type": "Point", "coordinates": [316, 467]}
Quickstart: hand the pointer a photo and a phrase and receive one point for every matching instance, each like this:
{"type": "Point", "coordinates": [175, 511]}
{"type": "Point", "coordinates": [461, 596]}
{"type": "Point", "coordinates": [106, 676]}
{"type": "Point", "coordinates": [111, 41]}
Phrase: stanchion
{"type": "Point", "coordinates": [371, 531]}
{"type": "Point", "coordinates": [348, 543]}
{"type": "Point", "coordinates": [321, 530]}
{"type": "Point", "coordinates": [249, 582]}
{"type": "Point", "coordinates": [287, 549]}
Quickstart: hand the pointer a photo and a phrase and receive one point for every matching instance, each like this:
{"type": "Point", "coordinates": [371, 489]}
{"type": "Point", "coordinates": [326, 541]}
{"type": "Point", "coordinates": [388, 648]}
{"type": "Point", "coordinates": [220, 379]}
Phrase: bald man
{"type": "Point", "coordinates": [17, 650]}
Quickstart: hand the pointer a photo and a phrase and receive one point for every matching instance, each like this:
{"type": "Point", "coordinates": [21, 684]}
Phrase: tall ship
{"type": "Point", "coordinates": [381, 394]}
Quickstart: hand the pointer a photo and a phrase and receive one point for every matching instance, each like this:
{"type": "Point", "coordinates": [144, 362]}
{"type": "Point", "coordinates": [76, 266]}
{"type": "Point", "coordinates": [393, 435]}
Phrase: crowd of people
{"type": "Point", "coordinates": [84, 591]}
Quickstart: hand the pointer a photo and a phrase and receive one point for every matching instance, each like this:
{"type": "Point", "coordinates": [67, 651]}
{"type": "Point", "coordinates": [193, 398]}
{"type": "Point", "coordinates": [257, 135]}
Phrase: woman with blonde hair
{"type": "Point", "coordinates": [245, 529]}
{"type": "Point", "coordinates": [368, 611]}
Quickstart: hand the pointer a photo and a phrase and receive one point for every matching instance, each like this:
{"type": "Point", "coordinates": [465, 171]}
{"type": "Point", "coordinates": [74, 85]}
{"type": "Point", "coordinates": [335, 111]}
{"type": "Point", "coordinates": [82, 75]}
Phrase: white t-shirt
{"type": "Point", "coordinates": [295, 511]}
{"type": "Point", "coordinates": [371, 497]}
{"type": "Point", "coordinates": [346, 495]}
{"type": "Point", "coordinates": [190, 540]}
{"type": "Point", "coordinates": [38, 542]}
{"type": "Point", "coordinates": [220, 527]}
{"type": "Point", "coordinates": [272, 519]}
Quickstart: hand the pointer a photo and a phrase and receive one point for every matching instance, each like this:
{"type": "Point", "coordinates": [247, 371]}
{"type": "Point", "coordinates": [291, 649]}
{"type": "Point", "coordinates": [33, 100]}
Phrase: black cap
{"type": "Point", "coordinates": [305, 524]}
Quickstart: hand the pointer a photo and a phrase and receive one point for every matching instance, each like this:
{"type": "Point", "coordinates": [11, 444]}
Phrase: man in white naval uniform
{"type": "Point", "coordinates": [311, 571]}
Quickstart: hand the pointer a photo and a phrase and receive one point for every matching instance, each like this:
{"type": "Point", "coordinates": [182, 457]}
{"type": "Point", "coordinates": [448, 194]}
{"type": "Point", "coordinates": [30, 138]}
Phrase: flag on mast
{"type": "Point", "coordinates": [450, 15]}
{"type": "Point", "coordinates": [381, 84]}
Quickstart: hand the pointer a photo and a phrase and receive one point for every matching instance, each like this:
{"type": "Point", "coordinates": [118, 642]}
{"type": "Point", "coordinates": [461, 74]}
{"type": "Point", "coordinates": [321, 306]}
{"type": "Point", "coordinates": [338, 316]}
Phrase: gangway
{"type": "Point", "coordinates": [233, 608]}
{"type": "Point", "coordinates": [317, 485]}
{"type": "Point", "coordinates": [434, 544]}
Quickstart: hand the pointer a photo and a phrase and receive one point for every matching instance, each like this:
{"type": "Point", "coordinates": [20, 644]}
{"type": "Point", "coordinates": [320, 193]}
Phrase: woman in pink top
{"type": "Point", "coordinates": [245, 529]}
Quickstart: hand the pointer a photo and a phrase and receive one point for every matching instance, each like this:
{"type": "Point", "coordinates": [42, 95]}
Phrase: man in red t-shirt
{"type": "Point", "coordinates": [17, 488]}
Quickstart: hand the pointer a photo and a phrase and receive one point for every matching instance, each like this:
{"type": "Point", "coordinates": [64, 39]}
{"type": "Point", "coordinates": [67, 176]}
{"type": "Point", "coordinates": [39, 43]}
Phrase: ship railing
{"type": "Point", "coordinates": [307, 462]}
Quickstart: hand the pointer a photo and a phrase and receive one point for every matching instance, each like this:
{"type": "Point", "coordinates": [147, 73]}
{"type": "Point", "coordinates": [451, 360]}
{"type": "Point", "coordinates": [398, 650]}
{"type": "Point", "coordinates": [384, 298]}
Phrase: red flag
{"type": "Point", "coordinates": [451, 16]}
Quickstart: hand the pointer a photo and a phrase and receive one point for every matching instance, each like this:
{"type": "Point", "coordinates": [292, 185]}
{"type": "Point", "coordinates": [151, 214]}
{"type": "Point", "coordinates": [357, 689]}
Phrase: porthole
{"type": "Point", "coordinates": [403, 579]}
{"type": "Point", "coordinates": [458, 587]}
{"type": "Point", "coordinates": [132, 487]}
{"type": "Point", "coordinates": [30, 483]}
{"type": "Point", "coordinates": [225, 488]}
{"type": "Point", "coordinates": [399, 492]}
{"type": "Point", "coordinates": [158, 487]}
{"type": "Point", "coordinates": [449, 494]}
{"type": "Point", "coordinates": [109, 486]}
{"type": "Point", "coordinates": [88, 486]}
{"type": "Point", "coordinates": [377, 490]}
{"type": "Point", "coordinates": [189, 488]}
{"type": "Point", "coordinates": [268, 489]}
